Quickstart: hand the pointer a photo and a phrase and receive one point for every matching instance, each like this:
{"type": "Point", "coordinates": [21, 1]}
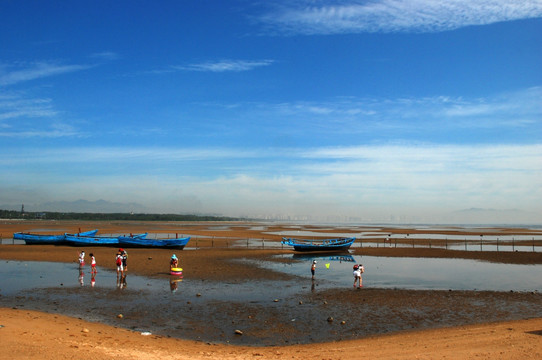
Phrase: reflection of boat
{"type": "Point", "coordinates": [310, 257]}
{"type": "Point", "coordinates": [39, 239]}
{"type": "Point", "coordinates": [319, 245]}
{"type": "Point", "coordinates": [177, 243]}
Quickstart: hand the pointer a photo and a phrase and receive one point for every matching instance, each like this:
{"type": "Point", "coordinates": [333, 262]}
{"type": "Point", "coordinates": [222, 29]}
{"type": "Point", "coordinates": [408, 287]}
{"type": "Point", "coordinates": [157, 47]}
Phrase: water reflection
{"type": "Point", "coordinates": [81, 277]}
{"type": "Point", "coordinates": [121, 281]}
{"type": "Point", "coordinates": [174, 284]}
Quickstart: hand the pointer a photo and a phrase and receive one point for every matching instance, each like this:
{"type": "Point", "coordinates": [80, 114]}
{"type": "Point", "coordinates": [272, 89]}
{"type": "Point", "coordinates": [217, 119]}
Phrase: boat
{"type": "Point", "coordinates": [171, 243]}
{"type": "Point", "coordinates": [339, 244]}
{"type": "Point", "coordinates": [80, 240]}
{"type": "Point", "coordinates": [42, 239]}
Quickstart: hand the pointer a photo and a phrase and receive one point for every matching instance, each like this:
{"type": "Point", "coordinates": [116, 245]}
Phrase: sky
{"type": "Point", "coordinates": [344, 110]}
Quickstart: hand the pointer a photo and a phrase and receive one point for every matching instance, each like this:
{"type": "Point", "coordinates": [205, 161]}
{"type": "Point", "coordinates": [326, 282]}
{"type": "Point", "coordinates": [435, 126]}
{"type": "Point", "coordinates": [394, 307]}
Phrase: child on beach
{"type": "Point", "coordinates": [174, 262]}
{"type": "Point", "coordinates": [82, 259]}
{"type": "Point", "coordinates": [92, 264]}
{"type": "Point", "coordinates": [358, 270]}
{"type": "Point", "coordinates": [313, 268]}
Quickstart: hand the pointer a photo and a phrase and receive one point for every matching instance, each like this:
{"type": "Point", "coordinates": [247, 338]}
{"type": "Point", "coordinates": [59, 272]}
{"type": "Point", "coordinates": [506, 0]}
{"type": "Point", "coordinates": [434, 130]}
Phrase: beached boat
{"type": "Point", "coordinates": [319, 245]}
{"type": "Point", "coordinates": [78, 240]}
{"type": "Point", "coordinates": [42, 239]}
{"type": "Point", "coordinates": [174, 243]}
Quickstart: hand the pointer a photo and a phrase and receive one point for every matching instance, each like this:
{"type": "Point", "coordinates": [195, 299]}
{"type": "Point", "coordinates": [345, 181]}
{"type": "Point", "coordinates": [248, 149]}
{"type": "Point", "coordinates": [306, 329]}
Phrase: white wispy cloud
{"type": "Point", "coordinates": [351, 16]}
{"type": "Point", "coordinates": [521, 108]}
{"type": "Point", "coordinates": [35, 71]}
{"type": "Point", "coordinates": [22, 116]}
{"type": "Point", "coordinates": [12, 107]}
{"type": "Point", "coordinates": [225, 65]}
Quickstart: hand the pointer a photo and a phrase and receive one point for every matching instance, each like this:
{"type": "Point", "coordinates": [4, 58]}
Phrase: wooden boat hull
{"type": "Point", "coordinates": [76, 240]}
{"type": "Point", "coordinates": [326, 245]}
{"type": "Point", "coordinates": [39, 239]}
{"type": "Point", "coordinates": [177, 243]}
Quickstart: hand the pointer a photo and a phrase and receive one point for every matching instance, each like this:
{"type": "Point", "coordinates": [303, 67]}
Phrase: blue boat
{"type": "Point", "coordinates": [41, 239]}
{"type": "Point", "coordinates": [79, 240]}
{"type": "Point", "coordinates": [339, 244]}
{"type": "Point", "coordinates": [131, 241]}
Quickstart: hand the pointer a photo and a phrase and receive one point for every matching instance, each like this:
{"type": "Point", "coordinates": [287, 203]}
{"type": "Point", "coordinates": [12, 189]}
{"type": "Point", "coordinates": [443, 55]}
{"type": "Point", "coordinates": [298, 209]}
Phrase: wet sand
{"type": "Point", "coordinates": [366, 313]}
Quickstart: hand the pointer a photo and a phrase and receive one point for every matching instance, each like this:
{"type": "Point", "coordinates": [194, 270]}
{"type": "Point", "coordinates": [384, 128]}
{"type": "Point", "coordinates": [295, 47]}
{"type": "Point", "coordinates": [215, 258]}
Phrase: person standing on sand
{"type": "Point", "coordinates": [118, 262]}
{"type": "Point", "coordinates": [313, 268]}
{"type": "Point", "coordinates": [92, 264]}
{"type": "Point", "coordinates": [124, 260]}
{"type": "Point", "coordinates": [82, 259]}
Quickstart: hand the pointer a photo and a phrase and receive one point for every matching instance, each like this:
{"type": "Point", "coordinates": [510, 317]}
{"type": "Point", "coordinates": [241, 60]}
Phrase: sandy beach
{"type": "Point", "coordinates": [409, 324]}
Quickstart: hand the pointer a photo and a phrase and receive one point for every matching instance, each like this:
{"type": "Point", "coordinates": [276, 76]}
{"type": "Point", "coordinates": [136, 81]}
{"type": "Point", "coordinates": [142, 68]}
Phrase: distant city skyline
{"type": "Point", "coordinates": [343, 109]}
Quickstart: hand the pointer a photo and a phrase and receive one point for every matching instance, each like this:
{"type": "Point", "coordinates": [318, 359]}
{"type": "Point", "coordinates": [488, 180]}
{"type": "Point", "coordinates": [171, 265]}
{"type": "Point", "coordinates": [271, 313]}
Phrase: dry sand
{"type": "Point", "coordinates": [25, 333]}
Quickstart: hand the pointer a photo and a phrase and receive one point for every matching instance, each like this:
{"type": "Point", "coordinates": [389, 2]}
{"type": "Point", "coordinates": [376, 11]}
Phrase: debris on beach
{"type": "Point", "coordinates": [238, 332]}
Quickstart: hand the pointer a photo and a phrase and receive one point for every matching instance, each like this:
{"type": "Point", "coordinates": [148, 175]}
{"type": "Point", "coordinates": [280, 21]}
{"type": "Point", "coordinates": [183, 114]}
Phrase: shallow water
{"type": "Point", "coordinates": [212, 311]}
{"type": "Point", "coordinates": [414, 273]}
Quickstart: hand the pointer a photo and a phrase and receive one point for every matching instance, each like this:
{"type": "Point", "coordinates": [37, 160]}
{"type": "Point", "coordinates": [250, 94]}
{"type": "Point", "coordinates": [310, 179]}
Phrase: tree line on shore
{"type": "Point", "coordinates": [49, 215]}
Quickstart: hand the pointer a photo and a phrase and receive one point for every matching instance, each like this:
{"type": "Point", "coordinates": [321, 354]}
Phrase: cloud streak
{"type": "Point", "coordinates": [37, 71]}
{"type": "Point", "coordinates": [388, 16]}
{"type": "Point", "coordinates": [226, 65]}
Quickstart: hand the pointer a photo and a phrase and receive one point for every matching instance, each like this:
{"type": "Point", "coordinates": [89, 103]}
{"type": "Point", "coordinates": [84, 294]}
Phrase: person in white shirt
{"type": "Point", "coordinates": [358, 270]}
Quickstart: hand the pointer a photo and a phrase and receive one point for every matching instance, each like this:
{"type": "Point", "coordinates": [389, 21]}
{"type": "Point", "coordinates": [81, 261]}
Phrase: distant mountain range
{"type": "Point", "coordinates": [98, 206]}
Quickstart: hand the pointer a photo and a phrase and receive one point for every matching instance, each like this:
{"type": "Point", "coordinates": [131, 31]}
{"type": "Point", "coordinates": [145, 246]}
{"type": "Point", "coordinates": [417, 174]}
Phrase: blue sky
{"type": "Point", "coordinates": [366, 110]}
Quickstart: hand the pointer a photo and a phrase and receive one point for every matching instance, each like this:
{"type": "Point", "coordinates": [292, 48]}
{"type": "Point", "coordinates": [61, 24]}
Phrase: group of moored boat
{"type": "Point", "coordinates": [89, 238]}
